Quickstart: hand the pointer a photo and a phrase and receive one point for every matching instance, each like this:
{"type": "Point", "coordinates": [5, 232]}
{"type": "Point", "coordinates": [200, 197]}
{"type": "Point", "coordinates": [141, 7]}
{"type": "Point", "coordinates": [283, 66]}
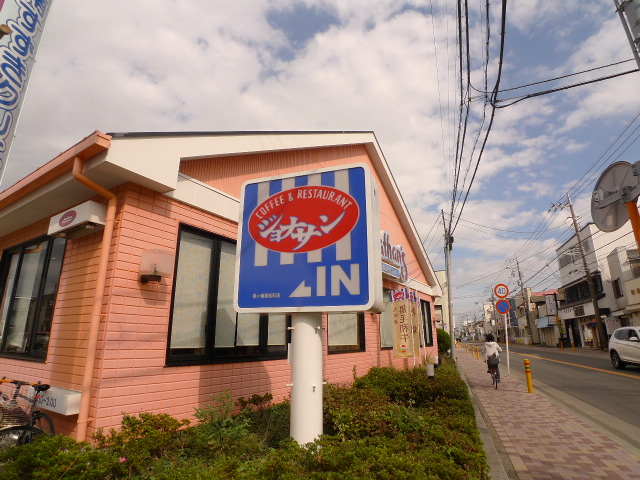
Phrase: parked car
{"type": "Point", "coordinates": [624, 347]}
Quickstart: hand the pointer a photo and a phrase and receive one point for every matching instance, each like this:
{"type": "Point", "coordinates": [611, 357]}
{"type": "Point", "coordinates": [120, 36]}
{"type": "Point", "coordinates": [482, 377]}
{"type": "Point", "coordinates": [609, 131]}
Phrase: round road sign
{"type": "Point", "coordinates": [503, 306]}
{"type": "Point", "coordinates": [501, 290]}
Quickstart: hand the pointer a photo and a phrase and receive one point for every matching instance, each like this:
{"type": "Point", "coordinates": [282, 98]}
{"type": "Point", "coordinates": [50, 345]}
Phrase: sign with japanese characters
{"type": "Point", "coordinates": [550, 302]}
{"type": "Point", "coordinates": [309, 242]}
{"type": "Point", "coordinates": [406, 328]}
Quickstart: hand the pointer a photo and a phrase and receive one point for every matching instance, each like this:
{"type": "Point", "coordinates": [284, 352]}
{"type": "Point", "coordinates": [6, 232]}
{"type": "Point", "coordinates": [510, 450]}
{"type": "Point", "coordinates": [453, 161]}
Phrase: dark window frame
{"type": "Point", "coordinates": [213, 355]}
{"type": "Point", "coordinates": [427, 322]}
{"type": "Point", "coordinates": [617, 288]}
{"type": "Point", "coordinates": [41, 309]}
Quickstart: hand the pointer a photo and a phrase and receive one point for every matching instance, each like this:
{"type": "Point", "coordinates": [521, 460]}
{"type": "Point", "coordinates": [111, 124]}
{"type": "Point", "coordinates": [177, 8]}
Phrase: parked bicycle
{"type": "Point", "coordinates": [493, 362]}
{"type": "Point", "coordinates": [21, 419]}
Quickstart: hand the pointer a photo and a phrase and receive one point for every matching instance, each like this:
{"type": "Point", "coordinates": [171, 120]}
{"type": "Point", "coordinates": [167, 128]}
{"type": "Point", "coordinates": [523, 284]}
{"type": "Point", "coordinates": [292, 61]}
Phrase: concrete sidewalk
{"type": "Point", "coordinates": [529, 437]}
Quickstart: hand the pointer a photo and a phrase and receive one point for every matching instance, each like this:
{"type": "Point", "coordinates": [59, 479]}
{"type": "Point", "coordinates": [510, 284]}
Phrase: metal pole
{"type": "Point", "coordinates": [447, 256]}
{"type": "Point", "coordinates": [525, 299]}
{"type": "Point", "coordinates": [448, 245]}
{"type": "Point", "coordinates": [306, 377]}
{"type": "Point", "coordinates": [592, 289]}
{"type": "Point", "coordinates": [506, 336]}
{"type": "Point", "coordinates": [632, 9]}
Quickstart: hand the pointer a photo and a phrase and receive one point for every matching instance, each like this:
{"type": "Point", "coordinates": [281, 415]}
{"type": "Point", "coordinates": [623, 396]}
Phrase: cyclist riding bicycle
{"type": "Point", "coordinates": [490, 348]}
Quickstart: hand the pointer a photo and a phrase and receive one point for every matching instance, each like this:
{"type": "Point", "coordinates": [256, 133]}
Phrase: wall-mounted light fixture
{"type": "Point", "coordinates": [155, 264]}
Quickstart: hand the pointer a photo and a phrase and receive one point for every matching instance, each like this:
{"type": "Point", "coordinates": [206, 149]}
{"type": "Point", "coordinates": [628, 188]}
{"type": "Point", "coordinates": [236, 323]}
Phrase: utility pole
{"type": "Point", "coordinates": [448, 245]}
{"type": "Point", "coordinates": [525, 299]}
{"type": "Point", "coordinates": [630, 8]}
{"type": "Point", "coordinates": [494, 321]}
{"type": "Point", "coordinates": [600, 328]}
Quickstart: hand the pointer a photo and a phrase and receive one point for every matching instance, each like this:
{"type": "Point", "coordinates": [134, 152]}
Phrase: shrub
{"type": "Point", "coordinates": [54, 457]}
{"type": "Point", "coordinates": [143, 441]}
{"type": "Point", "coordinates": [269, 422]}
{"type": "Point", "coordinates": [389, 424]}
{"type": "Point", "coordinates": [444, 342]}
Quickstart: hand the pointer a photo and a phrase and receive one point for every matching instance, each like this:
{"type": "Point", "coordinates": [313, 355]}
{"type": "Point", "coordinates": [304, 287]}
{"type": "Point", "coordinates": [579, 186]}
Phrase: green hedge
{"type": "Point", "coordinates": [388, 424]}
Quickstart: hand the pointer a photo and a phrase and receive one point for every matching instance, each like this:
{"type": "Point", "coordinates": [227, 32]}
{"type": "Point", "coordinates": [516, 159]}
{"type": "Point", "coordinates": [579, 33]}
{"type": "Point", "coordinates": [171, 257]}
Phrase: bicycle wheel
{"type": "Point", "coordinates": [494, 376]}
{"type": "Point", "coordinates": [44, 422]}
{"type": "Point", "coordinates": [15, 436]}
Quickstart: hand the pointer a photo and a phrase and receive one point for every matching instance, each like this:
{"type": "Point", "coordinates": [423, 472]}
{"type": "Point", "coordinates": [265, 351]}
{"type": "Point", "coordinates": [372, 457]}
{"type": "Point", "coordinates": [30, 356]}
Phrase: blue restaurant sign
{"type": "Point", "coordinates": [309, 242]}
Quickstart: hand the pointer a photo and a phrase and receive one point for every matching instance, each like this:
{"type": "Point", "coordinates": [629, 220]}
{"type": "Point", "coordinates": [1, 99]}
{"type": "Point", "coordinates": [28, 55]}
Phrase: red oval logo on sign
{"type": "Point", "coordinates": [67, 218]}
{"type": "Point", "coordinates": [303, 219]}
{"type": "Point", "coordinates": [398, 296]}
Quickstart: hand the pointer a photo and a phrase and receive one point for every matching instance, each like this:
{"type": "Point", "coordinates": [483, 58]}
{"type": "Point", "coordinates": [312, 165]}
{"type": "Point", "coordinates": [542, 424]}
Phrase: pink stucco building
{"type": "Point", "coordinates": [74, 312]}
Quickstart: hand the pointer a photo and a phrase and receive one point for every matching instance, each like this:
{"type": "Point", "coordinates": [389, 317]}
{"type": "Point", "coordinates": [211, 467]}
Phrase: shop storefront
{"type": "Point", "coordinates": [117, 268]}
{"type": "Point", "coordinates": [580, 325]}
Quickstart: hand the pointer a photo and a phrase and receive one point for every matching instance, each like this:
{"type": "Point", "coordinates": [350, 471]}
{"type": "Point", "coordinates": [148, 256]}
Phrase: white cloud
{"type": "Point", "coordinates": [188, 65]}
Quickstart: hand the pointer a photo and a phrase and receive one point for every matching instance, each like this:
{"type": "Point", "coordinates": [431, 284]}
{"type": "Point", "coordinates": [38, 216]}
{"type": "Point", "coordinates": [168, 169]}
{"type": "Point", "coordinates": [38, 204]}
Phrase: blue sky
{"type": "Point", "coordinates": [387, 66]}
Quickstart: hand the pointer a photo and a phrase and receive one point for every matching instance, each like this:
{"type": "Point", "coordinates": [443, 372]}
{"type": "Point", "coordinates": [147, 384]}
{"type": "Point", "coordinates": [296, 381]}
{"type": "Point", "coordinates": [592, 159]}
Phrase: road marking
{"type": "Point", "coordinates": [578, 365]}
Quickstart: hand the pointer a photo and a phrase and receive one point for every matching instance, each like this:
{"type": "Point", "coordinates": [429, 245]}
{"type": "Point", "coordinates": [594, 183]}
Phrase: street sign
{"type": "Point", "coordinates": [501, 290]}
{"type": "Point", "coordinates": [503, 306]}
{"type": "Point", "coordinates": [310, 242]}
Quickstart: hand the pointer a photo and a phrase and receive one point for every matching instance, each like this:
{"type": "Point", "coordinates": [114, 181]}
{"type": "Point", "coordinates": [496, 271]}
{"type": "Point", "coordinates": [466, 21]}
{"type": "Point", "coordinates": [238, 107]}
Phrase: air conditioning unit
{"type": "Point", "coordinates": [83, 219]}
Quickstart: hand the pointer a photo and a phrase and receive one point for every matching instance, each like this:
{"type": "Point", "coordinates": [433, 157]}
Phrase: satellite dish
{"type": "Point", "coordinates": [608, 202]}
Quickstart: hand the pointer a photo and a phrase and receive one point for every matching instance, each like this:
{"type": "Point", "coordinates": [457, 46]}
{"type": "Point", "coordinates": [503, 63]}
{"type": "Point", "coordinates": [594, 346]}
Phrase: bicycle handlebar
{"type": "Point", "coordinates": [39, 387]}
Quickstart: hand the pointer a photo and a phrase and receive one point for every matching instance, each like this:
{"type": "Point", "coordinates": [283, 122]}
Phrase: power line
{"type": "Point", "coordinates": [559, 89]}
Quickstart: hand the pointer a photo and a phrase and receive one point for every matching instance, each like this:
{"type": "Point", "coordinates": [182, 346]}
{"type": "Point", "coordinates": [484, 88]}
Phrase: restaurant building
{"type": "Point", "coordinates": [117, 274]}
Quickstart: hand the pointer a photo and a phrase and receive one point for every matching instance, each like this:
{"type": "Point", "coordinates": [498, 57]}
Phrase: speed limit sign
{"type": "Point", "coordinates": [501, 290]}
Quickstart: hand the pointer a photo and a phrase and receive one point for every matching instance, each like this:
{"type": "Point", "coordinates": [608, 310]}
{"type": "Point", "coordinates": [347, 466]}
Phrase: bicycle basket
{"type": "Point", "coordinates": [14, 412]}
{"type": "Point", "coordinates": [493, 360]}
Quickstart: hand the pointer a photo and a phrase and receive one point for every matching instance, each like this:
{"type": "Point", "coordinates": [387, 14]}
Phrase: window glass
{"type": "Point", "coordinates": [248, 329]}
{"type": "Point", "coordinates": [225, 314]}
{"type": "Point", "coordinates": [192, 284]}
{"type": "Point", "coordinates": [386, 321]}
{"type": "Point", "coordinates": [346, 332]}
{"type": "Point", "coordinates": [277, 332]}
{"type": "Point", "coordinates": [11, 260]}
{"type": "Point", "coordinates": [29, 282]}
{"type": "Point", "coordinates": [205, 327]}
{"type": "Point", "coordinates": [48, 298]}
{"type": "Point", "coordinates": [22, 314]}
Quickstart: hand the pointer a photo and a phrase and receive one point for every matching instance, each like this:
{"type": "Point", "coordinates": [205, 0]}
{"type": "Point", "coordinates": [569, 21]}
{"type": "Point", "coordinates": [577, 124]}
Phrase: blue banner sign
{"type": "Point", "coordinates": [25, 19]}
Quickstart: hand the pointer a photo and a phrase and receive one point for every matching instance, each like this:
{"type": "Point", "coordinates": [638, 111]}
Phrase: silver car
{"type": "Point", "coordinates": [624, 347]}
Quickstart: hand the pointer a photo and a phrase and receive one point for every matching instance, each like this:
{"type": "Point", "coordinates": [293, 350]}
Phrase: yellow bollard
{"type": "Point", "coordinates": [527, 371]}
{"type": "Point", "coordinates": [466, 348]}
{"type": "Point", "coordinates": [574, 346]}
{"type": "Point", "coordinates": [478, 353]}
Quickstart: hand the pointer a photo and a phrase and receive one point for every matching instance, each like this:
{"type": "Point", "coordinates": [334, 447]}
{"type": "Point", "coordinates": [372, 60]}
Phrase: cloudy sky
{"type": "Point", "coordinates": [387, 66]}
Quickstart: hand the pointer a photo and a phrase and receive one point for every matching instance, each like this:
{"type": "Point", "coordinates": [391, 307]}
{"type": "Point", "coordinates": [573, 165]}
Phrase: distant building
{"type": "Point", "coordinates": [577, 312]}
{"type": "Point", "coordinates": [624, 265]}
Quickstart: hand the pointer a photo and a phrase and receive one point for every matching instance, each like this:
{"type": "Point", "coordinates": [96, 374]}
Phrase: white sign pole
{"type": "Point", "coordinates": [506, 336]}
{"type": "Point", "coordinates": [306, 376]}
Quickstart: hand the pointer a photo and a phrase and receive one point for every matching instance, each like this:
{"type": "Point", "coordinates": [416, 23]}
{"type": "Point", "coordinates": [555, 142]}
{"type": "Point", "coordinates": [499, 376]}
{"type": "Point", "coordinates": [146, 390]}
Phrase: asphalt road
{"type": "Point", "coordinates": [584, 383]}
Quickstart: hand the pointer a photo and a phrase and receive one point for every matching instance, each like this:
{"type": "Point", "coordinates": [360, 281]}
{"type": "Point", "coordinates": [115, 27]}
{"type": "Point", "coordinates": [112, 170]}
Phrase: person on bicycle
{"type": "Point", "coordinates": [489, 348]}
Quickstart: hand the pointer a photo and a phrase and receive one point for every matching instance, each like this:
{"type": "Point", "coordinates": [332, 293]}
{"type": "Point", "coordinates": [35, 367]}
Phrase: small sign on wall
{"type": "Point", "coordinates": [60, 400]}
